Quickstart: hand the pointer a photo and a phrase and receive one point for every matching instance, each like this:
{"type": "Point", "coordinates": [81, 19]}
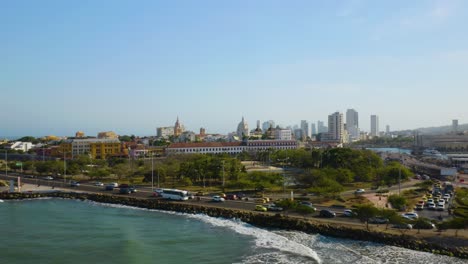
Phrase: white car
{"type": "Point", "coordinates": [446, 197]}
{"type": "Point", "coordinates": [98, 184]}
{"type": "Point", "coordinates": [48, 178]}
{"type": "Point", "coordinates": [115, 184]}
{"type": "Point", "coordinates": [410, 215]}
{"type": "Point", "coordinates": [217, 198]}
{"type": "Point", "coordinates": [440, 207]}
{"type": "Point", "coordinates": [431, 206]}
{"type": "Point", "coordinates": [442, 201]}
{"type": "Point", "coordinates": [359, 191]}
{"type": "Point", "coordinates": [348, 213]}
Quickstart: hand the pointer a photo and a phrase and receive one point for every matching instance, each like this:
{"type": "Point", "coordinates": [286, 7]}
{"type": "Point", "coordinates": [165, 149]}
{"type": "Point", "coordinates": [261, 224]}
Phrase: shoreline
{"type": "Point", "coordinates": [276, 221]}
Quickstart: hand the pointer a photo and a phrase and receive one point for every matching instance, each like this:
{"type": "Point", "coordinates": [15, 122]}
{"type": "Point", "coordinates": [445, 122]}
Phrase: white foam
{"type": "Point", "coordinates": [263, 238]}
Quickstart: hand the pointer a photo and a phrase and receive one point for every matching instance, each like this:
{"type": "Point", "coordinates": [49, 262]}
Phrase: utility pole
{"type": "Point", "coordinates": [6, 163]}
{"type": "Point", "coordinates": [223, 175]}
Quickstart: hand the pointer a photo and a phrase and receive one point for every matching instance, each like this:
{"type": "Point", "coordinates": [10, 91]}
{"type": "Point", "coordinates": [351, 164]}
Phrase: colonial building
{"type": "Point", "coordinates": [178, 128]}
{"type": "Point", "coordinates": [232, 148]}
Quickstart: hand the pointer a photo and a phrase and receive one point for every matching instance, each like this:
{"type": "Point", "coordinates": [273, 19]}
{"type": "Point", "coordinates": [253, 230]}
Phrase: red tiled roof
{"type": "Point", "coordinates": [205, 145]}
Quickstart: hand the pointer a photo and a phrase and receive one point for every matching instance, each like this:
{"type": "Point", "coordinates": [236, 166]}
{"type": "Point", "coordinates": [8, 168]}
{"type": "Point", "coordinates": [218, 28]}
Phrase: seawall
{"type": "Point", "coordinates": [263, 220]}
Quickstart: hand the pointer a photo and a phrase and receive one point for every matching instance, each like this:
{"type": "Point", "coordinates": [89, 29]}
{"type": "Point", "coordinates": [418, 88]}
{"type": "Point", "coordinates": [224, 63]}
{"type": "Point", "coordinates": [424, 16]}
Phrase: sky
{"type": "Point", "coordinates": [132, 66]}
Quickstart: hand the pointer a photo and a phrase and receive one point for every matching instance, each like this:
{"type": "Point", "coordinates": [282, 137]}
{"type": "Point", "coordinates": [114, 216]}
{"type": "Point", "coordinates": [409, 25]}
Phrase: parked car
{"type": "Point", "coordinates": [410, 215]}
{"type": "Point", "coordinates": [378, 220]}
{"type": "Point", "coordinates": [327, 213]}
{"type": "Point", "coordinates": [359, 191]}
{"type": "Point", "coordinates": [440, 206]}
{"type": "Point", "coordinates": [431, 206]}
{"type": "Point", "coordinates": [74, 184]}
{"type": "Point", "coordinates": [446, 197]}
{"type": "Point", "coordinates": [217, 198]}
{"type": "Point", "coordinates": [419, 207]}
{"type": "Point", "coordinates": [261, 208]}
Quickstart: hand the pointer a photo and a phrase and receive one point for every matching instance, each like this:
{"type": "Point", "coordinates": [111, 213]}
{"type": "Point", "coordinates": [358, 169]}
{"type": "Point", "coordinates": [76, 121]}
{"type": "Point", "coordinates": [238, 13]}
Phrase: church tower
{"type": "Point", "coordinates": [177, 128]}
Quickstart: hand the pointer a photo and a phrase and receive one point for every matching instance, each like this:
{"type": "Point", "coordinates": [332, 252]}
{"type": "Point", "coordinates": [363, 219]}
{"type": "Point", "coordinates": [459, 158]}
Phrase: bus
{"type": "Point", "coordinates": [174, 194]}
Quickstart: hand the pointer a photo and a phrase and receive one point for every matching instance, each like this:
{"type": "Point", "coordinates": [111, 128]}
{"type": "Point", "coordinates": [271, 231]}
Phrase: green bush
{"type": "Point", "coordinates": [398, 202]}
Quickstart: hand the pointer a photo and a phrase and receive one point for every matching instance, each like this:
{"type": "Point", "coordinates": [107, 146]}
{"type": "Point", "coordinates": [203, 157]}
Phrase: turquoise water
{"type": "Point", "coordinates": [69, 231]}
{"type": "Point", "coordinates": [392, 150]}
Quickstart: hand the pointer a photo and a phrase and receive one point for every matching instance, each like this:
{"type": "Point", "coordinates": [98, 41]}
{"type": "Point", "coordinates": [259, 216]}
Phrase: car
{"type": "Point", "coordinates": [359, 191]}
{"type": "Point", "coordinates": [348, 213]}
{"type": "Point", "coordinates": [217, 198]}
{"type": "Point", "coordinates": [419, 207]}
{"type": "Point", "coordinates": [260, 200]}
{"type": "Point", "coordinates": [403, 226]}
{"type": "Point", "coordinates": [200, 193]}
{"type": "Point", "coordinates": [378, 220]}
{"type": "Point", "coordinates": [74, 184]}
{"type": "Point", "coordinates": [109, 187]}
{"type": "Point", "coordinates": [431, 206]}
{"type": "Point", "coordinates": [446, 197]}
{"type": "Point", "coordinates": [125, 190]}
{"type": "Point", "coordinates": [48, 178]}
{"type": "Point", "coordinates": [440, 206]}
{"type": "Point", "coordinates": [430, 201]}
{"type": "Point", "coordinates": [132, 189]}
{"type": "Point", "coordinates": [421, 202]}
{"type": "Point", "coordinates": [231, 197]}
{"type": "Point", "coordinates": [114, 184]}
{"type": "Point", "coordinates": [157, 192]}
{"type": "Point", "coordinates": [123, 185]}
{"type": "Point", "coordinates": [410, 215]}
{"type": "Point", "coordinates": [261, 208]}
{"type": "Point", "coordinates": [98, 184]}
{"type": "Point", "coordinates": [308, 204]}
{"type": "Point", "coordinates": [222, 195]}
{"type": "Point", "coordinates": [442, 201]}
{"type": "Point", "coordinates": [273, 207]}
{"type": "Point", "coordinates": [424, 225]}
{"type": "Point", "coordinates": [327, 213]}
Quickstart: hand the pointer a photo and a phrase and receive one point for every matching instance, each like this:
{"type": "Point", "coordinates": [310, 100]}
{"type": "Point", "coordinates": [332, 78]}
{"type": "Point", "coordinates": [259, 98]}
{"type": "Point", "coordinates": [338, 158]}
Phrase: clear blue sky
{"type": "Point", "coordinates": [131, 66]}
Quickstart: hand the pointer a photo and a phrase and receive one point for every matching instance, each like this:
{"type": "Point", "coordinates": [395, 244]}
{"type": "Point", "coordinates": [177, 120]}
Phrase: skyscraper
{"type": "Point", "coordinates": [352, 123]}
{"type": "Point", "coordinates": [336, 127]}
{"type": "Point", "coordinates": [313, 130]}
{"type": "Point", "coordinates": [267, 124]}
{"type": "Point", "coordinates": [305, 128]}
{"type": "Point", "coordinates": [321, 128]}
{"type": "Point", "coordinates": [374, 125]}
{"type": "Point", "coordinates": [455, 125]}
{"type": "Point", "coordinates": [387, 129]}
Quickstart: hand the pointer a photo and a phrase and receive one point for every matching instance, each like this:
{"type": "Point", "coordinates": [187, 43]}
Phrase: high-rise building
{"type": "Point", "coordinates": [267, 124]}
{"type": "Point", "coordinates": [455, 125]}
{"type": "Point", "coordinates": [387, 129]}
{"type": "Point", "coordinates": [336, 127]}
{"type": "Point", "coordinates": [374, 125]}
{"type": "Point", "coordinates": [352, 123]}
{"type": "Point", "coordinates": [313, 129]}
{"type": "Point", "coordinates": [305, 128]}
{"type": "Point", "coordinates": [321, 128]}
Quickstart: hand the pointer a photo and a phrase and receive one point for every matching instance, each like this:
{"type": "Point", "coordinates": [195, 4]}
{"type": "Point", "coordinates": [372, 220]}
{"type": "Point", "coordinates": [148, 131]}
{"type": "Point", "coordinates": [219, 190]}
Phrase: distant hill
{"type": "Point", "coordinates": [441, 129]}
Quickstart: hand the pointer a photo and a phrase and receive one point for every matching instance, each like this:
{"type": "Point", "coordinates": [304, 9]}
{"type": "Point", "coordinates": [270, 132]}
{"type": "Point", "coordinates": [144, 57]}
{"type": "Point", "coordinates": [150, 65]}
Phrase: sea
{"type": "Point", "coordinates": [72, 231]}
{"type": "Point", "coordinates": [392, 150]}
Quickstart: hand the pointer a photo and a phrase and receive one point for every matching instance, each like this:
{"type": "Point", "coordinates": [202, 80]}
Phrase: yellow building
{"type": "Point", "coordinates": [97, 148]}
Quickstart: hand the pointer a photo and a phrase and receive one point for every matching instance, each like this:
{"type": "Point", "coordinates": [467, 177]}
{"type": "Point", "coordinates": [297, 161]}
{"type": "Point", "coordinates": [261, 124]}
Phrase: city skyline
{"type": "Point", "coordinates": [98, 66]}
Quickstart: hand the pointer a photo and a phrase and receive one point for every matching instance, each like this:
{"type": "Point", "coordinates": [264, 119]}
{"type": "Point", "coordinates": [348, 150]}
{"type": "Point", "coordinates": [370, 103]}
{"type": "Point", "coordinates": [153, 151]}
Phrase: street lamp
{"type": "Point", "coordinates": [152, 172]}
